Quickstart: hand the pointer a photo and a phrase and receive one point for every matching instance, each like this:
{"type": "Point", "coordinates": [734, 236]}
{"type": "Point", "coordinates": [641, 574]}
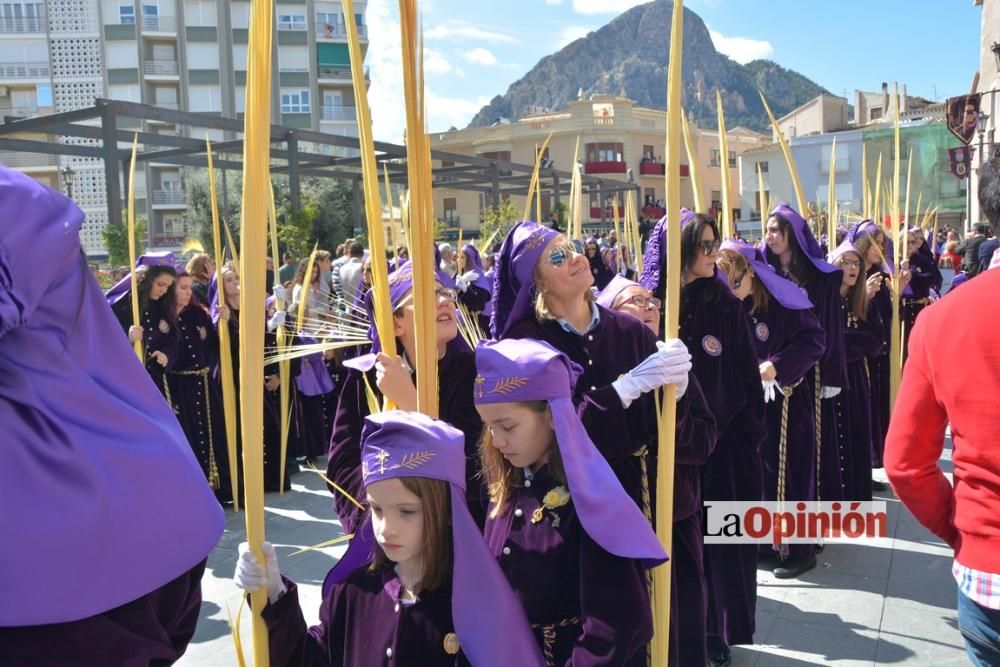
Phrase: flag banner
{"type": "Point", "coordinates": [963, 116]}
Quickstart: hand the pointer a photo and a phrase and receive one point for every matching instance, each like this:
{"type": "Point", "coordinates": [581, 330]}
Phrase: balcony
{"type": "Point", "coordinates": [24, 70]}
{"type": "Point", "coordinates": [341, 73]}
{"type": "Point", "coordinates": [609, 212]}
{"type": "Point", "coordinates": [20, 160]}
{"type": "Point", "coordinates": [605, 167]}
{"type": "Point", "coordinates": [23, 24]}
{"type": "Point", "coordinates": [654, 212]}
{"type": "Point", "coordinates": [159, 24]}
{"type": "Point", "coordinates": [334, 113]}
{"type": "Point", "coordinates": [650, 168]}
{"type": "Point", "coordinates": [160, 68]}
{"type": "Point", "coordinates": [25, 112]}
{"type": "Point", "coordinates": [167, 240]}
{"type": "Point", "coordinates": [337, 31]}
{"type": "Point", "coordinates": [169, 198]}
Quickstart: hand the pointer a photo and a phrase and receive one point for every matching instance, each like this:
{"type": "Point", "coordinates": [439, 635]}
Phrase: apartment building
{"type": "Point", "coordinates": [190, 55]}
{"type": "Point", "coordinates": [617, 140]}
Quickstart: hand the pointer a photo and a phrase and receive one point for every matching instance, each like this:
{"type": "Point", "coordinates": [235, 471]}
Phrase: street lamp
{"type": "Point", "coordinates": [68, 174]}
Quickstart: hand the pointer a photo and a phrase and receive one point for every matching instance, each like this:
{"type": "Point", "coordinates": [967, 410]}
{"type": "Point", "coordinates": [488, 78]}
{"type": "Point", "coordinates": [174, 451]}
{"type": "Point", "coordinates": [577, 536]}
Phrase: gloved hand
{"type": "Point", "coordinates": [770, 390]}
{"type": "Point", "coordinates": [279, 292]}
{"type": "Point", "coordinates": [463, 281]}
{"type": "Point", "coordinates": [670, 364]}
{"type": "Point", "coordinates": [276, 320]}
{"type": "Point", "coordinates": [829, 392]}
{"type": "Point", "coordinates": [250, 576]}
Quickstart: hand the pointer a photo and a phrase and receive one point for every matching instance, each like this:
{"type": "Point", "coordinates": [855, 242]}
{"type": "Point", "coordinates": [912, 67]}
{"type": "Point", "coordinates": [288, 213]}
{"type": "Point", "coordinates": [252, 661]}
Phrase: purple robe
{"type": "Point", "coordinates": [159, 334]}
{"type": "Point", "coordinates": [925, 283]}
{"type": "Point", "coordinates": [196, 397]}
{"type": "Point", "coordinates": [716, 330]}
{"type": "Point", "coordinates": [363, 622]}
{"type": "Point", "coordinates": [880, 313]}
{"type": "Point", "coordinates": [599, 269]}
{"type": "Point", "coordinates": [152, 630]}
{"type": "Point", "coordinates": [272, 422]}
{"type": "Point", "coordinates": [793, 341]}
{"type": "Point", "coordinates": [628, 438]}
{"type": "Point", "coordinates": [586, 606]}
{"type": "Point", "coordinates": [854, 406]}
{"type": "Point", "coordinates": [457, 374]}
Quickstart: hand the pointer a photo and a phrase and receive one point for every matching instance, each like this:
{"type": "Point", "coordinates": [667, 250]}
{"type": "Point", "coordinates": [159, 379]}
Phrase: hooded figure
{"type": "Point", "coordinates": [136, 521]}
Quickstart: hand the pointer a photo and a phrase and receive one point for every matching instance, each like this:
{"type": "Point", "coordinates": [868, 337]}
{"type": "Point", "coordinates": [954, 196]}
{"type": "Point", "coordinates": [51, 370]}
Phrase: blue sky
{"type": "Point", "coordinates": [476, 48]}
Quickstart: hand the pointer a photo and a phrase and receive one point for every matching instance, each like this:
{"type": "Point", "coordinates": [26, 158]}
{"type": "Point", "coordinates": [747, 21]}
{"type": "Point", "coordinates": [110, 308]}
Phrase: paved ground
{"type": "Point", "coordinates": [862, 605]}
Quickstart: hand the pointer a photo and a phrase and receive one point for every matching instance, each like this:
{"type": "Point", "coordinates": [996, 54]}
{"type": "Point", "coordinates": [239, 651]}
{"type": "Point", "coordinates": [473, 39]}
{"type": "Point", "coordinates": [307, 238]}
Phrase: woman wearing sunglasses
{"type": "Point", "coordinates": [715, 328]}
{"type": "Point", "coordinates": [543, 292]}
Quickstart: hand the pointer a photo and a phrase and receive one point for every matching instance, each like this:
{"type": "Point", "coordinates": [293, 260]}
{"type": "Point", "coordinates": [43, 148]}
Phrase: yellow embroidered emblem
{"type": "Point", "coordinates": [451, 645]}
{"type": "Point", "coordinates": [557, 497]}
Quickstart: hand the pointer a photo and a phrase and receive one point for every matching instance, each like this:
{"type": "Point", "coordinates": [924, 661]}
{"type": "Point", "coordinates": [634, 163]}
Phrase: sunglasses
{"type": "Point", "coordinates": [644, 302]}
{"type": "Point", "coordinates": [710, 247]}
{"type": "Point", "coordinates": [561, 253]}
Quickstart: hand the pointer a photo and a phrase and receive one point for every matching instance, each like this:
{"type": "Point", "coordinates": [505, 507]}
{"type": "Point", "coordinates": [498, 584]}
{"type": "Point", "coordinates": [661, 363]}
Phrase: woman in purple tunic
{"type": "Point", "coordinates": [925, 281]}
{"type": "Point", "coordinates": [571, 542]}
{"type": "Point", "coordinates": [862, 338]}
{"type": "Point", "coordinates": [473, 286]}
{"type": "Point", "coordinates": [393, 378]}
{"type": "Point", "coordinates": [543, 292]}
{"type": "Point", "coordinates": [870, 241]}
{"type": "Point", "coordinates": [157, 328]}
{"type": "Point", "coordinates": [598, 268]}
{"type": "Point", "coordinates": [195, 394]}
{"type": "Point", "coordinates": [791, 249]}
{"type": "Point", "coordinates": [111, 505]}
{"type": "Point", "coordinates": [417, 585]}
{"type": "Point", "coordinates": [715, 327]}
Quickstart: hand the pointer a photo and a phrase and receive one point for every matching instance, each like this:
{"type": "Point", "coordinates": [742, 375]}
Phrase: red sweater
{"type": "Point", "coordinates": [959, 329]}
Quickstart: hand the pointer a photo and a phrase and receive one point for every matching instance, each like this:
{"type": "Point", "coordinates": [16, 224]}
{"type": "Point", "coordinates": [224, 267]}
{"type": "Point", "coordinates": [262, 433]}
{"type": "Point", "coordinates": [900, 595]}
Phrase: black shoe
{"type": "Point", "coordinates": [879, 486]}
{"type": "Point", "coordinates": [819, 548]}
{"type": "Point", "coordinates": [793, 567]}
{"type": "Point", "coordinates": [718, 653]}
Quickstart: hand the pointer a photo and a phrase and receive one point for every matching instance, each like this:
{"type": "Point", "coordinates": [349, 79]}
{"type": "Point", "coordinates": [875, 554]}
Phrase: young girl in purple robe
{"type": "Point", "coordinates": [573, 545]}
{"type": "Point", "coordinates": [417, 584]}
{"type": "Point", "coordinates": [862, 338]}
{"type": "Point", "coordinates": [157, 327]}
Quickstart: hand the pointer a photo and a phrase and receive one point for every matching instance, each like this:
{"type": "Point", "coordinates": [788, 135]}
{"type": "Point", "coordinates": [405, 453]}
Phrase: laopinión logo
{"type": "Point", "coordinates": [795, 522]}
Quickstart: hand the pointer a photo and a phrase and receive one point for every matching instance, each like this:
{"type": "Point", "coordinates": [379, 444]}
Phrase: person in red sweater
{"type": "Point", "coordinates": [966, 515]}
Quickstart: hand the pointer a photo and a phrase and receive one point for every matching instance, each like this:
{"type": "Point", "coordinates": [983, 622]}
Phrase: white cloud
{"type": "Point", "coordinates": [741, 49]}
{"type": "Point", "coordinates": [571, 33]}
{"type": "Point", "coordinates": [480, 56]}
{"type": "Point", "coordinates": [460, 30]}
{"type": "Point", "coordinates": [591, 7]}
{"type": "Point", "coordinates": [445, 112]}
{"type": "Point", "coordinates": [435, 63]}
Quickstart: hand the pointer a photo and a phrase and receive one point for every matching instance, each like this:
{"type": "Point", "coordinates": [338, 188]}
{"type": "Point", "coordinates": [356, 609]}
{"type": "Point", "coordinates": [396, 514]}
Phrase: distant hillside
{"type": "Point", "coordinates": [628, 57]}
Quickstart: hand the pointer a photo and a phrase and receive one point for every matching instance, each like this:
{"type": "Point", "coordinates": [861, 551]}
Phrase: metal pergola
{"type": "Point", "coordinates": [115, 120]}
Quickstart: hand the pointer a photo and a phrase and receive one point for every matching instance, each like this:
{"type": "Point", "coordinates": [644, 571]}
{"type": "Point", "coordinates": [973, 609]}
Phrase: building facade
{"type": "Point", "coordinates": [617, 141]}
{"type": "Point", "coordinates": [59, 55]}
{"type": "Point", "coordinates": [989, 87]}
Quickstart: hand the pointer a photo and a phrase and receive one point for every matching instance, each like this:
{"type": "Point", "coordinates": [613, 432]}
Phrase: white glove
{"type": "Point", "coordinates": [770, 390]}
{"type": "Point", "coordinates": [829, 392]}
{"type": "Point", "coordinates": [276, 320]}
{"type": "Point", "coordinates": [279, 292]}
{"type": "Point", "coordinates": [463, 281]}
{"type": "Point", "coordinates": [670, 364]}
{"type": "Point", "coordinates": [250, 576]}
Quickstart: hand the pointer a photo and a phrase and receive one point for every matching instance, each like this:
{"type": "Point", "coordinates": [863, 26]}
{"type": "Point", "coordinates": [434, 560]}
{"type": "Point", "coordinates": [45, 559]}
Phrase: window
{"type": "Point", "coordinates": [714, 158]}
{"type": "Point", "coordinates": [328, 23]}
{"type": "Point", "coordinates": [605, 152]}
{"type": "Point", "coordinates": [732, 158]}
{"type": "Point", "coordinates": [126, 15]}
{"type": "Point", "coordinates": [450, 209]}
{"type": "Point", "coordinates": [757, 199]}
{"type": "Point", "coordinates": [293, 58]}
{"type": "Point", "coordinates": [762, 166]}
{"type": "Point", "coordinates": [295, 102]}
{"type": "Point", "coordinates": [648, 154]}
{"type": "Point", "coordinates": [291, 22]}
{"type": "Point", "coordinates": [43, 95]}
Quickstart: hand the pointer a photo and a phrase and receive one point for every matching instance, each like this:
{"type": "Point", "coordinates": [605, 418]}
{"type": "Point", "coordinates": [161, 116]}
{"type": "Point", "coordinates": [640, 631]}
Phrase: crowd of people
{"type": "Point", "coordinates": [517, 526]}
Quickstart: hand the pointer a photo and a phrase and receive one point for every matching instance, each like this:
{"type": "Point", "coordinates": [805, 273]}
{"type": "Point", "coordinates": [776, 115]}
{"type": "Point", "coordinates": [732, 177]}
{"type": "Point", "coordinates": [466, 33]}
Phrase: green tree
{"type": "Point", "coordinates": [498, 220]}
{"type": "Point", "coordinates": [199, 204]}
{"type": "Point", "coordinates": [116, 240]}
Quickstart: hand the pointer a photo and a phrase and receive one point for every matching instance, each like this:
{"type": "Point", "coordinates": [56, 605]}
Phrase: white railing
{"type": "Point", "coordinates": [168, 198]}
{"type": "Point", "coordinates": [160, 67]}
{"type": "Point", "coordinates": [22, 24]}
{"type": "Point", "coordinates": [338, 113]}
{"type": "Point", "coordinates": [331, 72]}
{"type": "Point", "coordinates": [24, 111]}
{"type": "Point", "coordinates": [24, 70]}
{"type": "Point", "coordinates": [338, 31]}
{"type": "Point", "coordinates": [159, 24]}
{"type": "Point", "coordinates": [20, 160]}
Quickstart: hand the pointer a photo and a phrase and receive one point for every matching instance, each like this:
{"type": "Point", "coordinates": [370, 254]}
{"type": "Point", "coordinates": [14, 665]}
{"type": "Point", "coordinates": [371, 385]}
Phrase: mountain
{"type": "Point", "coordinates": [628, 57]}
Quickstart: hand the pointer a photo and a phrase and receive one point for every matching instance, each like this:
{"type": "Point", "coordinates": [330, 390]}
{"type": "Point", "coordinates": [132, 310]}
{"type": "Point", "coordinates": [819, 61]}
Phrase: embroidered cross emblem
{"type": "Point", "coordinates": [480, 381]}
{"type": "Point", "coordinates": [381, 458]}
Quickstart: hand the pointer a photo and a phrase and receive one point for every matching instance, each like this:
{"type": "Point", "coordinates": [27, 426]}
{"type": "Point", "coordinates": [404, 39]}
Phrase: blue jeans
{"type": "Point", "coordinates": [980, 627]}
